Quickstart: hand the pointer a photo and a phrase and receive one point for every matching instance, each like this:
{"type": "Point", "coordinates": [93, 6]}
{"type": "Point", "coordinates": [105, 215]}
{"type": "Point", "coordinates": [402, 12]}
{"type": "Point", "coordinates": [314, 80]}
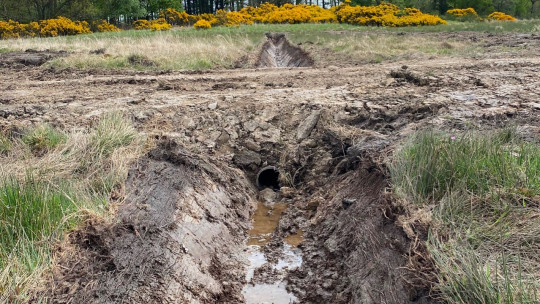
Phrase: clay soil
{"type": "Point", "coordinates": [181, 228]}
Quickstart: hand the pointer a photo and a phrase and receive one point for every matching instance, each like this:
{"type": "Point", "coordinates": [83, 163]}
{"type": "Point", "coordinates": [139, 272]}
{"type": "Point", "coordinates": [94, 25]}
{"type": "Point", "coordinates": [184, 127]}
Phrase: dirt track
{"type": "Point", "coordinates": [213, 125]}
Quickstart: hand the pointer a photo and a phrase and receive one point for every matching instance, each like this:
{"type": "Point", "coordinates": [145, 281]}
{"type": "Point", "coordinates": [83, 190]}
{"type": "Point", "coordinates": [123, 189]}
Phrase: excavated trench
{"type": "Point", "coordinates": [278, 52]}
{"type": "Point", "coordinates": [196, 230]}
{"type": "Point", "coordinates": [303, 222]}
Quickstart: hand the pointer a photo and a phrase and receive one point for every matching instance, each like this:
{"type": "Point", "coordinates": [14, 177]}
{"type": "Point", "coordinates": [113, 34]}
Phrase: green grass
{"type": "Point", "coordinates": [483, 191]}
{"type": "Point", "coordinates": [32, 212]}
{"type": "Point", "coordinates": [43, 138]}
{"type": "Point", "coordinates": [5, 144]}
{"type": "Point", "coordinates": [112, 132]}
{"type": "Point", "coordinates": [432, 165]}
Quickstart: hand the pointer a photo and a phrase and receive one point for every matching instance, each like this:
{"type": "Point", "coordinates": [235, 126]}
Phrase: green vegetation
{"type": "Point", "coordinates": [111, 133]}
{"type": "Point", "coordinates": [43, 138]}
{"type": "Point", "coordinates": [5, 144]}
{"type": "Point", "coordinates": [484, 193]}
{"type": "Point", "coordinates": [45, 195]}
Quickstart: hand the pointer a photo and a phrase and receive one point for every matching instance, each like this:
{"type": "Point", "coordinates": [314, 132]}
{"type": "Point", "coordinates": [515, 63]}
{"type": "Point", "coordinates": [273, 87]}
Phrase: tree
{"type": "Point", "coordinates": [482, 7]}
{"type": "Point", "coordinates": [117, 11]}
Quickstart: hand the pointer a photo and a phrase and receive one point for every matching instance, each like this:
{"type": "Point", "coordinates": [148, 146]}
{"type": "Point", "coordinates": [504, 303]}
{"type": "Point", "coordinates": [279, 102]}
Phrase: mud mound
{"type": "Point", "coordinates": [179, 238]}
{"type": "Point", "coordinates": [277, 52]}
{"type": "Point", "coordinates": [28, 58]}
{"type": "Point", "coordinates": [354, 252]}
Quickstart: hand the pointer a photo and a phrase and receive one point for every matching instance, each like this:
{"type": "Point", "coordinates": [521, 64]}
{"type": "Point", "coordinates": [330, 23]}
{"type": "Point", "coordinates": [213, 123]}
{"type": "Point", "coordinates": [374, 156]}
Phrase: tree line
{"type": "Point", "coordinates": [125, 11]}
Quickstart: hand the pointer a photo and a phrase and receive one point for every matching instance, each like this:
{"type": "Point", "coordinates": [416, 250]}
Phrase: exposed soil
{"type": "Point", "coordinates": [278, 52]}
{"type": "Point", "coordinates": [180, 235]}
{"type": "Point", "coordinates": [178, 239]}
{"type": "Point", "coordinates": [28, 58]}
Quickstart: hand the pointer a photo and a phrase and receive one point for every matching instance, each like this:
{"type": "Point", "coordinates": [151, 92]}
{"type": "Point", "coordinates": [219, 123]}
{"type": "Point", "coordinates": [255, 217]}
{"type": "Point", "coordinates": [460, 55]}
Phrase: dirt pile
{"type": "Point", "coordinates": [278, 52]}
{"type": "Point", "coordinates": [353, 251]}
{"type": "Point", "coordinates": [28, 58]}
{"type": "Point", "coordinates": [179, 238]}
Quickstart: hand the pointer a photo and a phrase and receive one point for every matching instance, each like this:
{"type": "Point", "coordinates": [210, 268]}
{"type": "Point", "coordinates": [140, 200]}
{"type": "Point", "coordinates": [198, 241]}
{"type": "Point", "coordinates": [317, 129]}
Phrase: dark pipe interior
{"type": "Point", "coordinates": [268, 177]}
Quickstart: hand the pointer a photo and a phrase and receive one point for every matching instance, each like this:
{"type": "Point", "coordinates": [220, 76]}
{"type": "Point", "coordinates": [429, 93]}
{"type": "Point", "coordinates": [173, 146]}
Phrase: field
{"type": "Point", "coordinates": [408, 160]}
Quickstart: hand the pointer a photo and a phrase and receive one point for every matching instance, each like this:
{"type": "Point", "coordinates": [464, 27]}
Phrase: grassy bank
{"type": "Point", "coordinates": [50, 181]}
{"type": "Point", "coordinates": [483, 194]}
{"type": "Point", "coordinates": [222, 47]}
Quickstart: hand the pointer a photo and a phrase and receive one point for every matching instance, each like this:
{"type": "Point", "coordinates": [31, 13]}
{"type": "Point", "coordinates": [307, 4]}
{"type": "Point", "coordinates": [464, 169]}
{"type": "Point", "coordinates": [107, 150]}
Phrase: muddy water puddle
{"type": "Point", "coordinates": [273, 288]}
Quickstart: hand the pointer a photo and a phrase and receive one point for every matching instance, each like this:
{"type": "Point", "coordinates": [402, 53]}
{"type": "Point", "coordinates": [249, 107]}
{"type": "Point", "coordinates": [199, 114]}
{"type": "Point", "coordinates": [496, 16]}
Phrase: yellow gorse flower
{"type": "Point", "coordinates": [202, 24]}
{"type": "Point", "coordinates": [499, 16]}
{"type": "Point", "coordinates": [154, 25]}
{"type": "Point", "coordinates": [384, 14]}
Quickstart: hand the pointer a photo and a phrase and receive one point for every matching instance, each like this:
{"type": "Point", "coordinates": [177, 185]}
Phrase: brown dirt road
{"type": "Point", "coordinates": [214, 125]}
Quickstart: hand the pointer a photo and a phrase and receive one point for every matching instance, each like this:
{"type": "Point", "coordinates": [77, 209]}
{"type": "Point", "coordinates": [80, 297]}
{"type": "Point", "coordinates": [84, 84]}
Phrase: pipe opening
{"type": "Point", "coordinates": [268, 177]}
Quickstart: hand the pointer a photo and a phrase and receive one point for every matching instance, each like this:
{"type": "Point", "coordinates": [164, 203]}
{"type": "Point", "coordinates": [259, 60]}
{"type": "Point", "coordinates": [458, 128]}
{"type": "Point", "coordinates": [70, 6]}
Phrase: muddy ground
{"type": "Point", "coordinates": [180, 234]}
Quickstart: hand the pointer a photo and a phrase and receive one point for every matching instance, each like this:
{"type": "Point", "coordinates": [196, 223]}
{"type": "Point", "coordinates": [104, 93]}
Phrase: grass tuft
{"type": "Point", "coordinates": [113, 131]}
{"type": "Point", "coordinates": [5, 144]}
{"type": "Point", "coordinates": [43, 138]}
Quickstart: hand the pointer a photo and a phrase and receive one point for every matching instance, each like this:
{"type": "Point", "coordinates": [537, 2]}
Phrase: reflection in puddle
{"type": "Point", "coordinates": [265, 222]}
{"type": "Point", "coordinates": [270, 293]}
{"type": "Point", "coordinates": [267, 293]}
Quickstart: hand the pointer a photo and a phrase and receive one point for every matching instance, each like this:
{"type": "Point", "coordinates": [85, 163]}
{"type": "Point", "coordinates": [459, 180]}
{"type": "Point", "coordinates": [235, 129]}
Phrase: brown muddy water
{"type": "Point", "coordinates": [273, 290]}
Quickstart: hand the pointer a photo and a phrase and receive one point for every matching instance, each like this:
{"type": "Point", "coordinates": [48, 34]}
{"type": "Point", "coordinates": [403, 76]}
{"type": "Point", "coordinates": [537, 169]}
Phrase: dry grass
{"type": "Point", "coordinates": [168, 50]}
{"type": "Point", "coordinates": [223, 47]}
{"type": "Point", "coordinates": [378, 48]}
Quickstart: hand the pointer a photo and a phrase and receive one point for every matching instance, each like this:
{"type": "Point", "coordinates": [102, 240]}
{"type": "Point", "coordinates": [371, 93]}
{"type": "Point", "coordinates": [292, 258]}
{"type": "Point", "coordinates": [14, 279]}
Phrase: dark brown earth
{"type": "Point", "coordinates": [178, 239]}
{"type": "Point", "coordinates": [180, 234]}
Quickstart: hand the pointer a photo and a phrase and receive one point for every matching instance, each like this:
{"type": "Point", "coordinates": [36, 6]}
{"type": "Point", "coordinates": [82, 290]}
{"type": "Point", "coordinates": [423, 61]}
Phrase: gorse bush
{"type": "Point", "coordinates": [46, 28]}
{"type": "Point", "coordinates": [62, 26]}
{"type": "Point", "coordinates": [499, 16]}
{"type": "Point", "coordinates": [175, 17]}
{"type": "Point", "coordinates": [103, 26]}
{"type": "Point", "coordinates": [202, 24]}
{"type": "Point", "coordinates": [463, 14]}
{"type": "Point", "coordinates": [384, 14]}
{"type": "Point", "coordinates": [155, 25]}
{"type": "Point", "coordinates": [233, 18]}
